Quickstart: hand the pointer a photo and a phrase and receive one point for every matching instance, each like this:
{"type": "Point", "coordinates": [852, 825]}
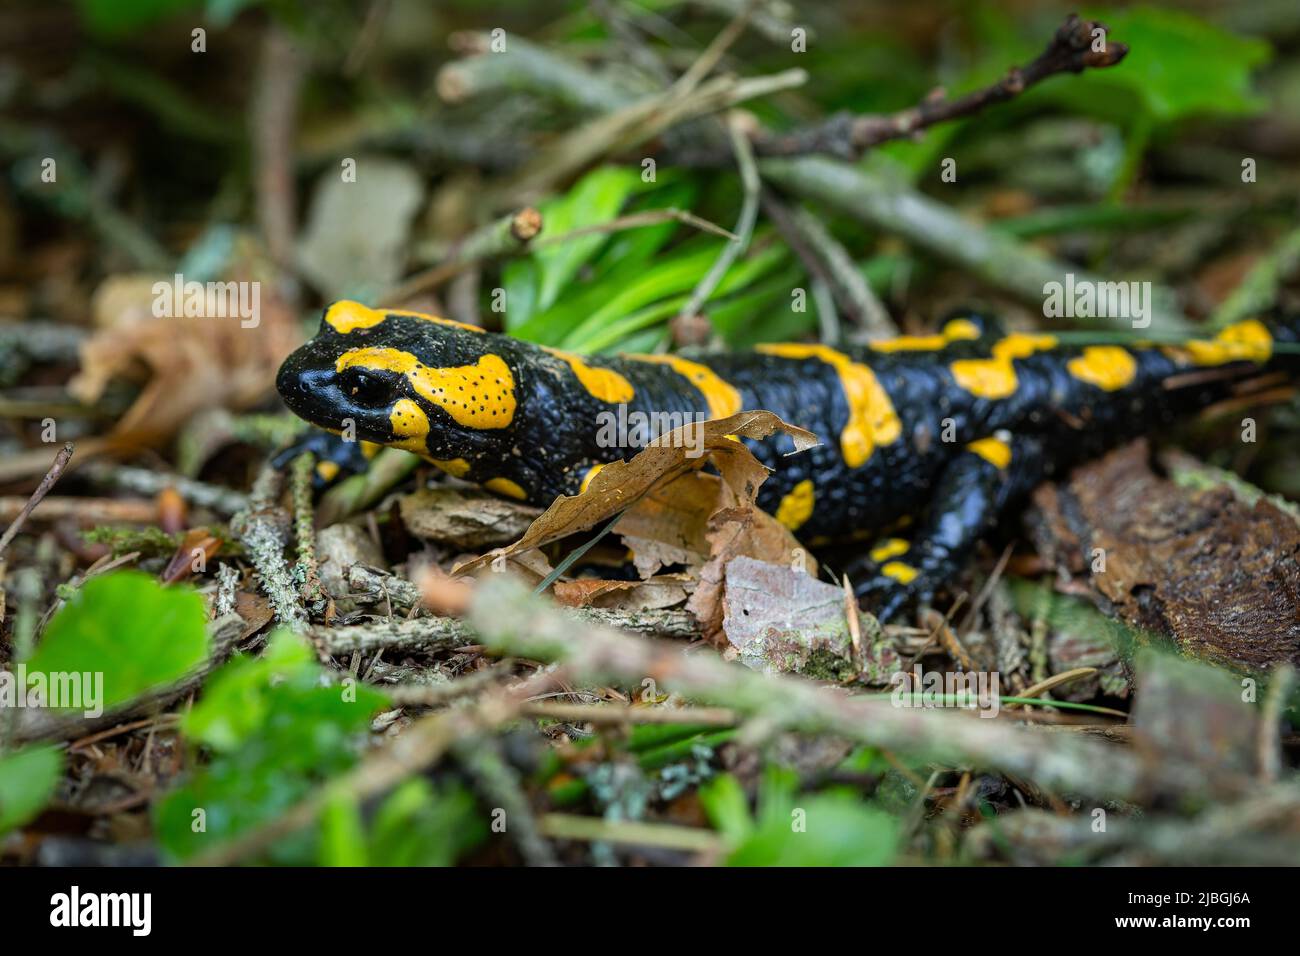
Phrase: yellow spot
{"type": "Point", "coordinates": [995, 377]}
{"type": "Point", "coordinates": [954, 331]}
{"type": "Point", "coordinates": [603, 383]}
{"type": "Point", "coordinates": [476, 396]}
{"type": "Point", "coordinates": [410, 426]}
{"type": "Point", "coordinates": [1248, 341]}
{"type": "Point", "coordinates": [456, 467]}
{"type": "Point", "coordinates": [797, 506]}
{"type": "Point", "coordinates": [960, 329]}
{"type": "Point", "coordinates": [872, 419]}
{"type": "Point", "coordinates": [369, 449]}
{"type": "Point", "coordinates": [900, 572]}
{"type": "Point", "coordinates": [1109, 367]}
{"type": "Point", "coordinates": [723, 399]}
{"type": "Point", "coordinates": [504, 486]}
{"type": "Point", "coordinates": [592, 472]}
{"type": "Point", "coordinates": [347, 316]}
{"type": "Point", "coordinates": [889, 548]}
{"type": "Point", "coordinates": [993, 450]}
{"type": "Point", "coordinates": [328, 470]}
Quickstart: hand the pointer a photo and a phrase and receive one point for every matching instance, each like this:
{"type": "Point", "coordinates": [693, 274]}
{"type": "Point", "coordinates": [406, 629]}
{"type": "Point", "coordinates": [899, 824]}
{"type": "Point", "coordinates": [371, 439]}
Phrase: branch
{"type": "Point", "coordinates": [509, 235]}
{"type": "Point", "coordinates": [513, 621]}
{"type": "Point", "coordinates": [848, 136]}
{"type": "Point", "coordinates": [893, 207]}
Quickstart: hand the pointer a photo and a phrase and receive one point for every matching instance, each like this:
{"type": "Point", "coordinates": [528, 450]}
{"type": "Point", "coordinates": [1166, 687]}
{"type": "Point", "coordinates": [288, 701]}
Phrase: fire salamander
{"type": "Point", "coordinates": [945, 429]}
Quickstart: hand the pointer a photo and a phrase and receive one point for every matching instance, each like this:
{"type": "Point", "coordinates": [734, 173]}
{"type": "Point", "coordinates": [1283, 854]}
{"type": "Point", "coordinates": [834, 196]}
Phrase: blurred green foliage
{"type": "Point", "coordinates": [833, 828]}
{"type": "Point", "coordinates": [130, 628]}
{"type": "Point", "coordinates": [275, 727]}
{"type": "Point", "coordinates": [27, 781]}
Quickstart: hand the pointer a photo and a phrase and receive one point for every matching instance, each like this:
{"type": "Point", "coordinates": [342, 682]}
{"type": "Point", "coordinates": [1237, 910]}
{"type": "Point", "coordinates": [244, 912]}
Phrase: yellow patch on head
{"type": "Point", "coordinates": [900, 572]}
{"type": "Point", "coordinates": [889, 548]}
{"type": "Point", "coordinates": [955, 331]}
{"type": "Point", "coordinates": [603, 383]}
{"type": "Point", "coordinates": [872, 420]}
{"type": "Point", "coordinates": [456, 467]}
{"type": "Point", "coordinates": [995, 377]}
{"type": "Point", "coordinates": [410, 426]}
{"type": "Point", "coordinates": [327, 470]}
{"type": "Point", "coordinates": [504, 486]}
{"type": "Point", "coordinates": [347, 316]}
{"type": "Point", "coordinates": [993, 450]}
{"type": "Point", "coordinates": [796, 506]}
{"type": "Point", "coordinates": [723, 399]}
{"type": "Point", "coordinates": [592, 472]}
{"type": "Point", "coordinates": [481, 395]}
{"type": "Point", "coordinates": [1248, 341]}
{"type": "Point", "coordinates": [1109, 367]}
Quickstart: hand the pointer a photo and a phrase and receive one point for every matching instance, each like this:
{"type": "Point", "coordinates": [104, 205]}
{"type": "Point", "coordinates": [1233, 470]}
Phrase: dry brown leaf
{"type": "Point", "coordinates": [624, 483]}
{"type": "Point", "coordinates": [783, 619]}
{"type": "Point", "coordinates": [666, 591]}
{"type": "Point", "coordinates": [466, 518]}
{"type": "Point", "coordinates": [197, 543]}
{"type": "Point", "coordinates": [187, 364]}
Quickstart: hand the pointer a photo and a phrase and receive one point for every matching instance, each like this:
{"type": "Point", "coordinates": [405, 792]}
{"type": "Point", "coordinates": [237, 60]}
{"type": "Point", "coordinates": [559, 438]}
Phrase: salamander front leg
{"type": "Point", "coordinates": [335, 457]}
{"type": "Point", "coordinates": [968, 497]}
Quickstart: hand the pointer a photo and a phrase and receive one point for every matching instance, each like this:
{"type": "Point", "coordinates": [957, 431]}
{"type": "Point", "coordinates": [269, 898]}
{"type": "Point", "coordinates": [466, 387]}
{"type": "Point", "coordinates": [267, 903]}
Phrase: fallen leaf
{"type": "Point", "coordinates": [781, 619]}
{"type": "Point", "coordinates": [199, 544]}
{"type": "Point", "coordinates": [186, 364]}
{"type": "Point", "coordinates": [466, 518]}
{"type": "Point", "coordinates": [622, 484]}
{"type": "Point", "coordinates": [666, 591]}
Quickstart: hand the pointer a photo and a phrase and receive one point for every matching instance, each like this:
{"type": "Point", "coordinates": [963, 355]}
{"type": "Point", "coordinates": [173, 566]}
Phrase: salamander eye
{"type": "Point", "coordinates": [366, 388]}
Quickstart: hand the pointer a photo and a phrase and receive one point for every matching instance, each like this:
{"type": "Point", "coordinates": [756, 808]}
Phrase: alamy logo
{"type": "Point", "coordinates": [1087, 299]}
{"type": "Point", "coordinates": [971, 690]}
{"type": "Point", "coordinates": [208, 300]}
{"type": "Point", "coordinates": [70, 690]}
{"type": "Point", "coordinates": [623, 429]}
{"type": "Point", "coordinates": [103, 909]}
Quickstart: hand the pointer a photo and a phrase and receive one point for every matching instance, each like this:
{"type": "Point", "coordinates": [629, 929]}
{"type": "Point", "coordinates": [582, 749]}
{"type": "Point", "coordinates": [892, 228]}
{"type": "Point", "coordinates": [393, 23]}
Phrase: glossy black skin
{"type": "Point", "coordinates": [1053, 420]}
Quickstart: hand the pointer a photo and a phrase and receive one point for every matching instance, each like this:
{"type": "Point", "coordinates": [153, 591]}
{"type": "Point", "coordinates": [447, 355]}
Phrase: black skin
{"type": "Point", "coordinates": [1052, 421]}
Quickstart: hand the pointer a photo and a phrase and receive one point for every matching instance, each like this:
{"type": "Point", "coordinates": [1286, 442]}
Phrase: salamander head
{"type": "Point", "coordinates": [439, 388]}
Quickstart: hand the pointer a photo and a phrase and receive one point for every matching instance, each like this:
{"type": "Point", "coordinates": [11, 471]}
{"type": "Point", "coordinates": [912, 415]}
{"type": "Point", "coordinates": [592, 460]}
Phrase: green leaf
{"type": "Point", "coordinates": [27, 781]}
{"type": "Point", "coordinates": [110, 17]}
{"type": "Point", "coordinates": [631, 306]}
{"type": "Point", "coordinates": [127, 626]}
{"type": "Point", "coordinates": [1178, 65]}
{"type": "Point", "coordinates": [238, 697]}
{"type": "Point", "coordinates": [343, 837]}
{"type": "Point", "coordinates": [279, 729]}
{"type": "Point", "coordinates": [594, 199]}
{"type": "Point", "coordinates": [519, 279]}
{"type": "Point", "coordinates": [833, 829]}
{"type": "Point", "coordinates": [727, 808]}
{"type": "Point", "coordinates": [419, 825]}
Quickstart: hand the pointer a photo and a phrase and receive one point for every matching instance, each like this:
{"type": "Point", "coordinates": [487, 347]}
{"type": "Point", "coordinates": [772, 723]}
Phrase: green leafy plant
{"type": "Point", "coordinates": [835, 828]}
{"type": "Point", "coordinates": [27, 781]}
{"type": "Point", "coordinates": [130, 628]}
{"type": "Point", "coordinates": [276, 728]}
{"type": "Point", "coordinates": [617, 290]}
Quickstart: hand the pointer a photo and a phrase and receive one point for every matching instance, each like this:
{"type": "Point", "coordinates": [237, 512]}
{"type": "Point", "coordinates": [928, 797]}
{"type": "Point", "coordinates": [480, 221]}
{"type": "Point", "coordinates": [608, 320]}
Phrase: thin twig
{"type": "Point", "coordinates": [513, 621]}
{"type": "Point", "coordinates": [848, 136]}
{"type": "Point", "coordinates": [43, 489]}
{"type": "Point", "coordinates": [614, 714]}
{"type": "Point", "coordinates": [568, 826]}
{"type": "Point", "coordinates": [509, 235]}
{"type": "Point", "coordinates": [650, 217]}
{"type": "Point", "coordinates": [304, 526]}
